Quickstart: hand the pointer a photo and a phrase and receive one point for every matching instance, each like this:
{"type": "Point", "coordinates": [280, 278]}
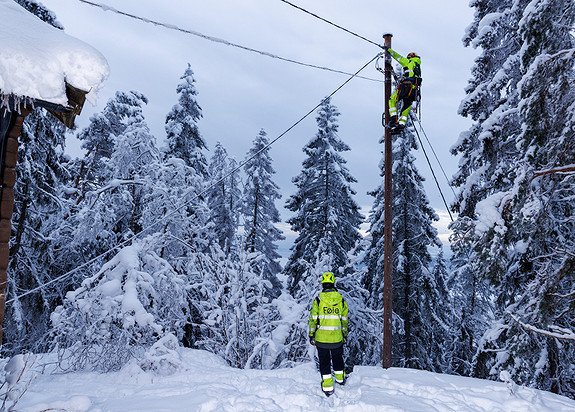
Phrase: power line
{"type": "Point", "coordinates": [333, 24]}
{"type": "Point", "coordinates": [411, 117]}
{"type": "Point", "coordinates": [431, 168]}
{"type": "Point", "coordinates": [436, 158]}
{"type": "Point", "coordinates": [218, 40]}
{"type": "Point", "coordinates": [196, 196]}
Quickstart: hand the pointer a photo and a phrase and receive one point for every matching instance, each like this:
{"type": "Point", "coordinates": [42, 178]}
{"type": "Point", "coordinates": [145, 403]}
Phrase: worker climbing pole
{"type": "Point", "coordinates": [407, 90]}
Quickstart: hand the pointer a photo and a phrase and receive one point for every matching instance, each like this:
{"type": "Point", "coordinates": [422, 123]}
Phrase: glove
{"type": "Point", "coordinates": [312, 340]}
{"type": "Point", "coordinates": [386, 48]}
{"type": "Point", "coordinates": [344, 340]}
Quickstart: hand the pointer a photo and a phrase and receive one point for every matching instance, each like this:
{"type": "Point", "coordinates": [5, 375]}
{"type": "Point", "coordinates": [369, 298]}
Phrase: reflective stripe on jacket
{"type": "Point", "coordinates": [328, 317]}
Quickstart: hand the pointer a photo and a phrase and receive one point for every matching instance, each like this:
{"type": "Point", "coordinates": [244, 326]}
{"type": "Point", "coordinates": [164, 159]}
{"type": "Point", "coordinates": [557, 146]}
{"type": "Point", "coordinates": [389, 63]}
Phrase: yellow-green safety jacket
{"type": "Point", "coordinates": [328, 319]}
{"type": "Point", "coordinates": [411, 67]}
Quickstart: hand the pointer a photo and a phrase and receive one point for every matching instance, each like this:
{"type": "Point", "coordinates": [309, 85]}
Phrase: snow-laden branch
{"type": "Point", "coordinates": [562, 333]}
{"type": "Point", "coordinates": [562, 169]}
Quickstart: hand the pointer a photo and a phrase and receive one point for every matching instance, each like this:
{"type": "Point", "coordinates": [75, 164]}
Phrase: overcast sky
{"type": "Point", "coordinates": [242, 92]}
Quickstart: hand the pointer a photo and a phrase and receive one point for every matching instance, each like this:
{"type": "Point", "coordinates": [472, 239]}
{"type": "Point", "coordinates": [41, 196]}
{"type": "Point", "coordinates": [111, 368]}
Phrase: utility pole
{"type": "Point", "coordinates": [387, 249]}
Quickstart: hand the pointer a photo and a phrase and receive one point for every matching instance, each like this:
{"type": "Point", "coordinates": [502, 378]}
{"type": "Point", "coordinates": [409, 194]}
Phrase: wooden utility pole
{"type": "Point", "coordinates": [387, 249]}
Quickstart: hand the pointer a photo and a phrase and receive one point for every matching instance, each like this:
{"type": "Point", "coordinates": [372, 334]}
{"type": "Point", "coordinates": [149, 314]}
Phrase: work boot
{"type": "Point", "coordinates": [392, 122]}
{"type": "Point", "coordinates": [327, 385]}
{"type": "Point", "coordinates": [339, 377]}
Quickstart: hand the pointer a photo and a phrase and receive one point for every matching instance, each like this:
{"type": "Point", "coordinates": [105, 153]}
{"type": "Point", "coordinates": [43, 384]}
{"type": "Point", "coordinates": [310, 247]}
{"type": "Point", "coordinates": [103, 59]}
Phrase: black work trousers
{"type": "Point", "coordinates": [327, 357]}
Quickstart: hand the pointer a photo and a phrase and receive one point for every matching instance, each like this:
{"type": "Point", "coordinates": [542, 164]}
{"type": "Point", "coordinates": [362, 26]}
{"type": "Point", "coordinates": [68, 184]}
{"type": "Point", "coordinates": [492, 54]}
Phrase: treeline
{"type": "Point", "coordinates": [134, 249]}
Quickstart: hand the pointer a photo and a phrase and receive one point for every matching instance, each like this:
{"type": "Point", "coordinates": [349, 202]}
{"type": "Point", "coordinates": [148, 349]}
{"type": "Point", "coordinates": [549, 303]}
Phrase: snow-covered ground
{"type": "Point", "coordinates": [206, 383]}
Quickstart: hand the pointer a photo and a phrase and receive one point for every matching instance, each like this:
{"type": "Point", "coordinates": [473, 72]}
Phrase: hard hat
{"type": "Point", "coordinates": [327, 277]}
{"type": "Point", "coordinates": [412, 55]}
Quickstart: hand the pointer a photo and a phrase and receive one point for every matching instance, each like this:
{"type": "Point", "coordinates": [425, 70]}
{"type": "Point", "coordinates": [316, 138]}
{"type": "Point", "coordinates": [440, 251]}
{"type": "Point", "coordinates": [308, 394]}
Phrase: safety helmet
{"type": "Point", "coordinates": [327, 277]}
{"type": "Point", "coordinates": [412, 55]}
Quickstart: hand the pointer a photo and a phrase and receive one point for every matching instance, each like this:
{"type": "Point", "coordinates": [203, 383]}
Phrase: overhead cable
{"type": "Point", "coordinates": [196, 195]}
{"type": "Point", "coordinates": [218, 40]}
{"type": "Point", "coordinates": [333, 24]}
{"type": "Point", "coordinates": [431, 168]}
{"type": "Point", "coordinates": [436, 158]}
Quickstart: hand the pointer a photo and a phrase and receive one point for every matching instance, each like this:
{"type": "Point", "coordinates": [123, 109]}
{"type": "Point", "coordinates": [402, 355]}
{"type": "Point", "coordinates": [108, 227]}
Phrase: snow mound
{"type": "Point", "coordinates": [36, 58]}
{"type": "Point", "coordinates": [208, 384]}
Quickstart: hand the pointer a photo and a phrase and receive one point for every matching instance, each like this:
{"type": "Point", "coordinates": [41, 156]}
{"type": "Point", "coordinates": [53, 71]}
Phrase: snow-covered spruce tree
{"type": "Point", "coordinates": [327, 220]}
{"type": "Point", "coordinates": [487, 157]}
{"type": "Point", "coordinates": [224, 198]}
{"type": "Point", "coordinates": [238, 318]}
{"type": "Point", "coordinates": [487, 150]}
{"type": "Point", "coordinates": [134, 158]}
{"type": "Point", "coordinates": [183, 136]}
{"type": "Point", "coordinates": [41, 178]}
{"type": "Point", "coordinates": [534, 333]}
{"type": "Point", "coordinates": [419, 292]}
{"type": "Point", "coordinates": [326, 216]}
{"type": "Point", "coordinates": [121, 311]}
{"type": "Point", "coordinates": [39, 10]}
{"type": "Point", "coordinates": [260, 212]}
{"type": "Point", "coordinates": [99, 138]}
{"type": "Point", "coordinates": [110, 200]}
{"type": "Point", "coordinates": [491, 102]}
{"type": "Point", "coordinates": [176, 210]}
{"type": "Point", "coordinates": [472, 309]}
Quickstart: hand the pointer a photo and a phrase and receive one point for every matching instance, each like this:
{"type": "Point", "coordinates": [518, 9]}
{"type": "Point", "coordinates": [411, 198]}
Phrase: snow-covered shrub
{"type": "Point", "coordinates": [121, 311]}
{"type": "Point", "coordinates": [238, 318]}
{"type": "Point", "coordinates": [163, 358]}
{"type": "Point", "coordinates": [15, 380]}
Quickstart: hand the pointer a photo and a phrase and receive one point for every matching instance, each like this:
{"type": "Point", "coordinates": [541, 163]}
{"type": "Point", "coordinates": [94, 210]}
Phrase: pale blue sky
{"type": "Point", "coordinates": [241, 92]}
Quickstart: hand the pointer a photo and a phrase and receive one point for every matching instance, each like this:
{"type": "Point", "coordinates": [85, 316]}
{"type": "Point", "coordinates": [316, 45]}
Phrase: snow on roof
{"type": "Point", "coordinates": [37, 59]}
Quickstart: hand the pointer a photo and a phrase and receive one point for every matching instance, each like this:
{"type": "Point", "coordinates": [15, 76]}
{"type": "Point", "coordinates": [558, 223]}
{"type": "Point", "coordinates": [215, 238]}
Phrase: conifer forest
{"type": "Point", "coordinates": [145, 238]}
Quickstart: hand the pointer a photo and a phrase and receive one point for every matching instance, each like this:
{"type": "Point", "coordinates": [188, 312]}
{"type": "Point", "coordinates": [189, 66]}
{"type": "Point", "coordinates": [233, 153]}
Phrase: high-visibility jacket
{"type": "Point", "coordinates": [411, 67]}
{"type": "Point", "coordinates": [328, 319]}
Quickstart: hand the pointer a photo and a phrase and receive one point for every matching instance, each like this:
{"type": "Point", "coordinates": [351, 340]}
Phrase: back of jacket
{"type": "Point", "coordinates": [328, 319]}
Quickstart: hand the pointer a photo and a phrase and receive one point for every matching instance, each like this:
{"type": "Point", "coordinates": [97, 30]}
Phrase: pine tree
{"type": "Point", "coordinates": [327, 218]}
{"type": "Point", "coordinates": [183, 136]}
{"type": "Point", "coordinates": [419, 293]}
{"type": "Point", "coordinates": [260, 212]}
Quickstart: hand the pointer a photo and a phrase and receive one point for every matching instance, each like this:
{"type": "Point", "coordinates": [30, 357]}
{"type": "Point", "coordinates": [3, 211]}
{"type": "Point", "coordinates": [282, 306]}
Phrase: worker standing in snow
{"type": "Point", "coordinates": [407, 88]}
{"type": "Point", "coordinates": [328, 332]}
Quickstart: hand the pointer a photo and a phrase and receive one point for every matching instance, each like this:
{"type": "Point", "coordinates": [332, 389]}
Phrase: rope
{"type": "Point", "coordinates": [333, 24]}
{"type": "Point", "coordinates": [203, 192]}
{"type": "Point", "coordinates": [218, 40]}
{"type": "Point", "coordinates": [431, 168]}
